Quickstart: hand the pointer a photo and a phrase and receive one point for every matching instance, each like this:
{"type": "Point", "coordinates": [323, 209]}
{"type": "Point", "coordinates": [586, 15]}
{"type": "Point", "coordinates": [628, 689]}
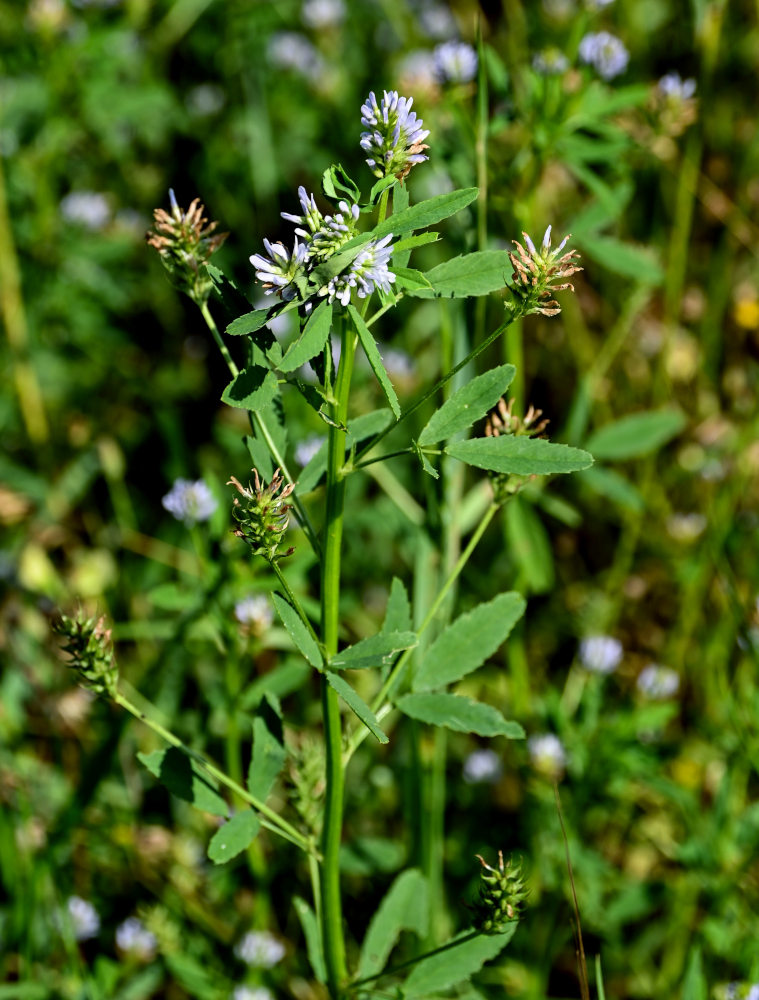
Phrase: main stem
{"type": "Point", "coordinates": [332, 921]}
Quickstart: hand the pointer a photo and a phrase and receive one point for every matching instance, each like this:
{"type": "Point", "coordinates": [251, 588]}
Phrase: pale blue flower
{"type": "Point", "coordinates": [290, 51]}
{"type": "Point", "coordinates": [86, 208]}
{"type": "Point", "coordinates": [278, 271]}
{"type": "Point", "coordinates": [323, 234]}
{"type": "Point", "coordinates": [657, 682]}
{"type": "Point", "coordinates": [133, 937]}
{"type": "Point", "coordinates": [323, 13]}
{"type": "Point", "coordinates": [600, 654]}
{"type": "Point", "coordinates": [437, 21]}
{"type": "Point", "coordinates": [673, 86]}
{"type": "Point", "coordinates": [396, 141]}
{"type": "Point", "coordinates": [369, 271]}
{"type": "Point", "coordinates": [417, 69]}
{"type": "Point", "coordinates": [260, 949]}
{"type": "Point", "coordinates": [84, 918]}
{"type": "Point", "coordinates": [256, 611]}
{"type": "Point", "coordinates": [605, 53]}
{"type": "Point", "coordinates": [190, 501]}
{"type": "Point", "coordinates": [482, 767]}
{"type": "Point", "coordinates": [306, 449]}
{"type": "Point", "coordinates": [550, 62]}
{"type": "Point", "coordinates": [455, 62]}
{"type": "Point", "coordinates": [547, 753]}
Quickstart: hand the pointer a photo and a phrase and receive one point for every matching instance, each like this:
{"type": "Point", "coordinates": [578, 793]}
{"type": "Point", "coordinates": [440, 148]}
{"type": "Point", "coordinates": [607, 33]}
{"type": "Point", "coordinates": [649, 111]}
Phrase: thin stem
{"type": "Point", "coordinates": [383, 458]}
{"type": "Point", "coordinates": [256, 418]}
{"type": "Point", "coordinates": [413, 961]}
{"type": "Point", "coordinates": [332, 921]}
{"type": "Point", "coordinates": [394, 675]}
{"type": "Point", "coordinates": [294, 600]}
{"type": "Point", "coordinates": [275, 822]}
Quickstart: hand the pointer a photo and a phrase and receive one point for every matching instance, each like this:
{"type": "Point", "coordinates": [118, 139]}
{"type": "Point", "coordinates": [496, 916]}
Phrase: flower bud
{"type": "Point", "coordinates": [502, 892]}
{"type": "Point", "coordinates": [89, 646]}
{"type": "Point", "coordinates": [262, 514]}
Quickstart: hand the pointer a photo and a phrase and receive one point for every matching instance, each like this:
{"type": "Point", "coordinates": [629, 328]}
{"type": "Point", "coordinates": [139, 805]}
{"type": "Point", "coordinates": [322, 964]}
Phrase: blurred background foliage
{"type": "Point", "coordinates": [112, 392]}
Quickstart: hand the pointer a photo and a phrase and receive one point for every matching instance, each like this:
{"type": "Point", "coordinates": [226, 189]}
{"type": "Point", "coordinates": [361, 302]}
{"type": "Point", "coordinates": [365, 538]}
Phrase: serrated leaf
{"type": "Point", "coordinates": [636, 435]}
{"type": "Point", "coordinates": [249, 322]}
{"type": "Point", "coordinates": [404, 907]}
{"type": "Point", "coordinates": [425, 213]}
{"type": "Point", "coordinates": [454, 711]}
{"type": "Point", "coordinates": [469, 403]}
{"type": "Point", "coordinates": [312, 935]}
{"type": "Point", "coordinates": [407, 279]}
{"type": "Point", "coordinates": [468, 642]}
{"type": "Point", "coordinates": [253, 389]}
{"type": "Point", "coordinates": [269, 755]}
{"type": "Point", "coordinates": [521, 456]}
{"type": "Point", "coordinates": [477, 273]}
{"type": "Point", "coordinates": [398, 611]}
{"type": "Point", "coordinates": [371, 350]}
{"type": "Point", "coordinates": [456, 963]}
{"type": "Point", "coordinates": [235, 303]}
{"type": "Point", "coordinates": [530, 545]}
{"type": "Point", "coordinates": [185, 778]}
{"type": "Point", "coordinates": [234, 837]}
{"type": "Point", "coordinates": [312, 339]}
{"type": "Point", "coordinates": [376, 651]}
{"type": "Point", "coordinates": [411, 242]}
{"type": "Point", "coordinates": [357, 705]}
{"type": "Point", "coordinates": [360, 428]}
{"type": "Point", "coordinates": [428, 467]}
{"type": "Point", "coordinates": [299, 634]}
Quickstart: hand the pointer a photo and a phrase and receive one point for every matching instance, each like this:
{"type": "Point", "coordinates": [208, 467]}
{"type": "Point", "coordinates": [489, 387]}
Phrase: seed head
{"type": "Point", "coordinates": [536, 273]}
{"type": "Point", "coordinates": [502, 893]}
{"type": "Point", "coordinates": [262, 514]}
{"type": "Point", "coordinates": [89, 646]}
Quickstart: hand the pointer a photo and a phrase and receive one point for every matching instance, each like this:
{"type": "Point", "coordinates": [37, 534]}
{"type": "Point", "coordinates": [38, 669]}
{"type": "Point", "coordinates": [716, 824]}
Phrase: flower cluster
{"type": "Point", "coordinates": [133, 938]}
{"type": "Point", "coordinates": [537, 271]}
{"type": "Point", "coordinates": [190, 501]}
{"type": "Point", "coordinates": [547, 754]}
{"type": "Point", "coordinates": [185, 241]}
{"type": "Point", "coordinates": [395, 143]}
{"type": "Point", "coordinates": [600, 654]}
{"type": "Point", "coordinates": [502, 420]}
{"type": "Point", "coordinates": [260, 949]}
{"type": "Point", "coordinates": [605, 53]}
{"type": "Point", "coordinates": [455, 62]}
{"type": "Point", "coordinates": [85, 921]}
{"type": "Point", "coordinates": [502, 892]}
{"type": "Point", "coordinates": [89, 646]}
{"type": "Point", "coordinates": [264, 514]}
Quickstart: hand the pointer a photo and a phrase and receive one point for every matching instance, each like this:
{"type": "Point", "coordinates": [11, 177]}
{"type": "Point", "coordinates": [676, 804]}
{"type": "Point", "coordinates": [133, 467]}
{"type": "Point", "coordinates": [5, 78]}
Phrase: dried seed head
{"type": "Point", "coordinates": [538, 274]}
{"type": "Point", "coordinates": [262, 514]}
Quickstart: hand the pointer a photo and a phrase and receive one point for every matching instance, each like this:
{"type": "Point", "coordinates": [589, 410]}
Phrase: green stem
{"type": "Point", "coordinates": [294, 600]}
{"type": "Point", "coordinates": [272, 821]}
{"type": "Point", "coordinates": [394, 675]}
{"type": "Point", "coordinates": [332, 923]}
{"type": "Point", "coordinates": [256, 418]}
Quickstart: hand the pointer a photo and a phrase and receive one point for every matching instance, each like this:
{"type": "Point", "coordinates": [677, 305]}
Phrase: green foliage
{"type": "Point", "coordinates": [252, 389]}
{"type": "Point", "coordinates": [520, 456]}
{"type": "Point", "coordinates": [465, 956]}
{"type": "Point", "coordinates": [637, 435]}
{"type": "Point", "coordinates": [469, 403]}
{"type": "Point", "coordinates": [311, 341]}
{"type": "Point", "coordinates": [357, 705]}
{"type": "Point", "coordinates": [376, 651]}
{"type": "Point", "coordinates": [404, 907]}
{"type": "Point", "coordinates": [371, 350]}
{"type": "Point", "coordinates": [185, 778]}
{"type": "Point", "coordinates": [471, 274]}
{"type": "Point", "coordinates": [461, 714]}
{"type": "Point", "coordinates": [234, 837]}
{"type": "Point", "coordinates": [299, 634]}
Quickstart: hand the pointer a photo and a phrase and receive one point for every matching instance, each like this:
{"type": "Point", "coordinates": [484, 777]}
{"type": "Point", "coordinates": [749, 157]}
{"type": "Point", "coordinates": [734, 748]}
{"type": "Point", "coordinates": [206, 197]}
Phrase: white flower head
{"type": "Point", "coordinates": [672, 86]}
{"type": "Point", "coordinates": [307, 448]}
{"type": "Point", "coordinates": [550, 62]}
{"type": "Point", "coordinates": [437, 21]}
{"type": "Point", "coordinates": [260, 949]}
{"type": "Point", "coordinates": [84, 918]}
{"type": "Point", "coordinates": [86, 208]}
{"type": "Point", "coordinates": [288, 50]}
{"type": "Point", "coordinates": [278, 271]}
{"type": "Point", "coordinates": [605, 53]}
{"type": "Point", "coordinates": [482, 767]}
{"type": "Point", "coordinates": [547, 754]}
{"type": "Point", "coordinates": [600, 654]}
{"type": "Point", "coordinates": [251, 993]}
{"type": "Point", "coordinates": [255, 611]}
{"type": "Point", "coordinates": [396, 141]}
{"type": "Point", "coordinates": [455, 62]}
{"type": "Point", "coordinates": [417, 70]}
{"type": "Point", "coordinates": [323, 234]}
{"type": "Point", "coordinates": [323, 13]}
{"type": "Point", "coordinates": [133, 937]}
{"type": "Point", "coordinates": [190, 501]}
{"type": "Point", "coordinates": [369, 271]}
{"type": "Point", "coordinates": [657, 682]}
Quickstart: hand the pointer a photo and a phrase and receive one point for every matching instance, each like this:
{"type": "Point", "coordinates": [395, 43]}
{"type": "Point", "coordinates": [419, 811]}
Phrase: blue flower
{"type": "Point", "coordinates": [600, 654]}
{"type": "Point", "coordinates": [605, 53]}
{"type": "Point", "coordinates": [674, 87]}
{"type": "Point", "coordinates": [368, 271]}
{"type": "Point", "coordinates": [396, 142]}
{"type": "Point", "coordinates": [189, 501]}
{"type": "Point", "coordinates": [278, 271]}
{"type": "Point", "coordinates": [455, 62]}
{"type": "Point", "coordinates": [324, 234]}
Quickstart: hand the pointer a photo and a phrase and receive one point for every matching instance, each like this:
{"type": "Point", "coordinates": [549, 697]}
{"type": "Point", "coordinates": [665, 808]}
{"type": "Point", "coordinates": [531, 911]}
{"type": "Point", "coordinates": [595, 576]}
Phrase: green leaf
{"type": "Point", "coordinates": [269, 753]}
{"type": "Point", "coordinates": [409, 280]}
{"type": "Point", "coordinates": [411, 242]}
{"type": "Point", "coordinates": [337, 185]}
{"type": "Point", "coordinates": [232, 298]}
{"type": "Point", "coordinates": [695, 986]}
{"type": "Point", "coordinates": [312, 339]}
{"type": "Point", "coordinates": [636, 435]}
{"type": "Point", "coordinates": [477, 273]}
{"type": "Point", "coordinates": [405, 907]}
{"type": "Point", "coordinates": [425, 213]}
{"type": "Point", "coordinates": [281, 681]}
{"type": "Point", "coordinates": [530, 544]}
{"type": "Point", "coordinates": [377, 651]}
{"type": "Point", "coordinates": [469, 403]}
{"type": "Point", "coordinates": [360, 428]}
{"type": "Point", "coordinates": [428, 467]}
{"type": "Point", "coordinates": [626, 259]}
{"type": "Point", "coordinates": [459, 713]}
{"type": "Point", "coordinates": [234, 837]}
{"type": "Point", "coordinates": [299, 634]}
{"type": "Point", "coordinates": [380, 186]}
{"type": "Point", "coordinates": [455, 964]}
{"type": "Point", "coordinates": [185, 778]}
{"type": "Point", "coordinates": [468, 642]}
{"type": "Point", "coordinates": [610, 484]}
{"type": "Point", "coordinates": [398, 611]}
{"type": "Point", "coordinates": [521, 456]}
{"type": "Point", "coordinates": [357, 705]}
{"type": "Point", "coordinates": [371, 350]}
{"type": "Point", "coordinates": [253, 389]}
{"type": "Point", "coordinates": [248, 323]}
{"type": "Point", "coordinates": [312, 935]}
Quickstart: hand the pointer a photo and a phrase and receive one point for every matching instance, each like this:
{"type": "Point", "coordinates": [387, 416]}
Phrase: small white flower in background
{"type": "Point", "coordinates": [278, 271]}
{"type": "Point", "coordinates": [547, 754]}
{"type": "Point", "coordinates": [205, 99]}
{"type": "Point", "coordinates": [397, 363]}
{"type": "Point", "coordinates": [417, 70]}
{"type": "Point", "coordinates": [436, 21]}
{"type": "Point", "coordinates": [86, 208]}
{"type": "Point", "coordinates": [84, 918]}
{"type": "Point", "coordinates": [550, 62]}
{"type": "Point", "coordinates": [396, 142]}
{"type": "Point", "coordinates": [601, 654]}
{"type": "Point", "coordinates": [482, 766]}
{"type": "Point", "coordinates": [134, 938]}
{"type": "Point", "coordinates": [605, 53]}
{"type": "Point", "coordinates": [658, 683]}
{"type": "Point", "coordinates": [190, 501]}
{"type": "Point", "coordinates": [289, 50]}
{"type": "Point", "coordinates": [368, 271]}
{"type": "Point", "coordinates": [673, 86]}
{"type": "Point", "coordinates": [598, 4]}
{"type": "Point", "coordinates": [455, 62]}
{"type": "Point", "coordinates": [260, 949]}
{"type": "Point", "coordinates": [323, 13]}
{"type": "Point", "coordinates": [256, 611]}
{"type": "Point", "coordinates": [306, 449]}
{"type": "Point", "coordinates": [686, 527]}
{"type": "Point", "coordinates": [252, 993]}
